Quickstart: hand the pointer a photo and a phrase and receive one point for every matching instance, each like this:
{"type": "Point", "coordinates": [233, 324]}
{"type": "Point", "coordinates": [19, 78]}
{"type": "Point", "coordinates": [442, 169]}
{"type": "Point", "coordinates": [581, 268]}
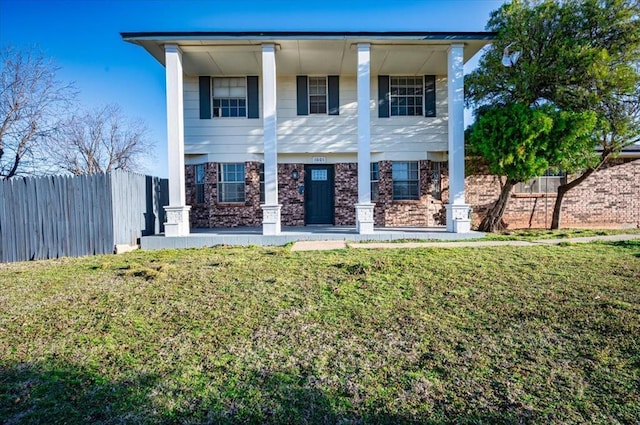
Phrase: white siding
{"type": "Point", "coordinates": [229, 139]}
{"type": "Point", "coordinates": [239, 139]}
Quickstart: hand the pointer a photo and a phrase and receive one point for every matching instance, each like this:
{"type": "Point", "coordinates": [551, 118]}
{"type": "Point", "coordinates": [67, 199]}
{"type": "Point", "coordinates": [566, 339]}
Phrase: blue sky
{"type": "Point", "coordinates": [83, 37]}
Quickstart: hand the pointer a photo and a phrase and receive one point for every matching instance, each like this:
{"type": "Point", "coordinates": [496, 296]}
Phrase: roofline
{"type": "Point", "coordinates": [424, 35]}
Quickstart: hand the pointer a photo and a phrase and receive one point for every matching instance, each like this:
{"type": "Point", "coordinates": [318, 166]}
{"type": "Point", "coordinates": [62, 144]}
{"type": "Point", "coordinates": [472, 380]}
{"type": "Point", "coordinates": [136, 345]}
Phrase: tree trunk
{"type": "Point", "coordinates": [493, 220]}
{"type": "Point", "coordinates": [562, 190]}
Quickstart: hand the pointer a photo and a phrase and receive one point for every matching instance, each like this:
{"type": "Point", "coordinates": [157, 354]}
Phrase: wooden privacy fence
{"type": "Point", "coordinates": [58, 216]}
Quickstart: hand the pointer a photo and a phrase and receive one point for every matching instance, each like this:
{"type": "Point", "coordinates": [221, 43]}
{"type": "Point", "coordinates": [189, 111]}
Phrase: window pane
{"type": "Point", "coordinates": [406, 96]}
{"type": "Point", "coordinates": [237, 92]}
{"type": "Point", "coordinates": [405, 180]}
{"type": "Point", "coordinates": [375, 170]}
{"type": "Point", "coordinates": [229, 97]}
{"type": "Point", "coordinates": [319, 175]}
{"type": "Point", "coordinates": [231, 183]}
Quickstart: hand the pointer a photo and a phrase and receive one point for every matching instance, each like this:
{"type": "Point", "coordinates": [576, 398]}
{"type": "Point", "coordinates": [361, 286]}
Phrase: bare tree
{"type": "Point", "coordinates": [99, 141]}
{"type": "Point", "coordinates": [32, 103]}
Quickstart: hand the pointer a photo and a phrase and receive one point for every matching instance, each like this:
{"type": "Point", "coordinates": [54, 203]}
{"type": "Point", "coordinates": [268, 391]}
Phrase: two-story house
{"type": "Point", "coordinates": [303, 128]}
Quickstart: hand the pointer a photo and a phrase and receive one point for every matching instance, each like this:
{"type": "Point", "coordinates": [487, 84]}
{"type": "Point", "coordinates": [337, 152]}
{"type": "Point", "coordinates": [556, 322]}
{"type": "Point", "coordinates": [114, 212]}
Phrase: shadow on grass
{"type": "Point", "coordinates": [56, 393]}
{"type": "Point", "coordinates": [633, 244]}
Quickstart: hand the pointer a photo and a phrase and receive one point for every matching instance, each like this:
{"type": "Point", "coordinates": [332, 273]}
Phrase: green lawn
{"type": "Point", "coordinates": [543, 334]}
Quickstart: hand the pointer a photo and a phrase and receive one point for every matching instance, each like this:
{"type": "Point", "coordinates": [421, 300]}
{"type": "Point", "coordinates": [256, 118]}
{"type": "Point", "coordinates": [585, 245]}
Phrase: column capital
{"type": "Point", "coordinates": [172, 48]}
{"type": "Point", "coordinates": [455, 46]}
{"type": "Point", "coordinates": [268, 47]}
{"type": "Point", "coordinates": [364, 46]}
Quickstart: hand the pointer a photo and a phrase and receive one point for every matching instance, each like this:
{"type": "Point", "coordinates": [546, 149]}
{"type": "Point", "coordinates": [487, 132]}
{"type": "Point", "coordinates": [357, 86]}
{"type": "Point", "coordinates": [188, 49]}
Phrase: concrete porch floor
{"type": "Point", "coordinates": [245, 236]}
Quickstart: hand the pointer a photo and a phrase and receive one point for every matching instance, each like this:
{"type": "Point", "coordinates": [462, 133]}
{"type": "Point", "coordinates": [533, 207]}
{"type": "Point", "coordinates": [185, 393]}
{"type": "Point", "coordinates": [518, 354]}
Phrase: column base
{"type": "Point", "coordinates": [177, 220]}
{"type": "Point", "coordinates": [364, 219]}
{"type": "Point", "coordinates": [458, 218]}
{"type": "Point", "coordinates": [271, 219]}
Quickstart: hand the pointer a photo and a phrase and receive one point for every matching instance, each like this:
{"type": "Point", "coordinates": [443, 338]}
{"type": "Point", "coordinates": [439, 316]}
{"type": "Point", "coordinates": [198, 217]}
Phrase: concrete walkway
{"type": "Point", "coordinates": [333, 244]}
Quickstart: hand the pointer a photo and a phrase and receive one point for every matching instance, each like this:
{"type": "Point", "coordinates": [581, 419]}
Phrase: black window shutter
{"type": "Point", "coordinates": [253, 107]}
{"type": "Point", "coordinates": [205, 97]}
{"type": "Point", "coordinates": [429, 95]}
{"type": "Point", "coordinates": [302, 96]}
{"type": "Point", "coordinates": [333, 87]}
{"type": "Point", "coordinates": [383, 96]}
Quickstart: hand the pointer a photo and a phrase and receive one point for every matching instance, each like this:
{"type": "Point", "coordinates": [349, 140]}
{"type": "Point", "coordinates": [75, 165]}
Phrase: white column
{"type": "Point", "coordinates": [177, 223]}
{"type": "Point", "coordinates": [271, 208]}
{"type": "Point", "coordinates": [458, 220]}
{"type": "Point", "coordinates": [364, 207]}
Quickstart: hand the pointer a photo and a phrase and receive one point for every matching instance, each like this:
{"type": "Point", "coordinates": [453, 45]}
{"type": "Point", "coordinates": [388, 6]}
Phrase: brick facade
{"type": "Point", "coordinates": [212, 213]}
{"type": "Point", "coordinates": [423, 212]}
{"type": "Point", "coordinates": [608, 198]}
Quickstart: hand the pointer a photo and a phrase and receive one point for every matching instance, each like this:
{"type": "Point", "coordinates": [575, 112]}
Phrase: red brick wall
{"type": "Point", "coordinates": [424, 212]}
{"type": "Point", "coordinates": [427, 211]}
{"type": "Point", "coordinates": [289, 196]}
{"type": "Point", "coordinates": [608, 198]}
{"type": "Point", "coordinates": [211, 213]}
{"type": "Point", "coordinates": [346, 193]}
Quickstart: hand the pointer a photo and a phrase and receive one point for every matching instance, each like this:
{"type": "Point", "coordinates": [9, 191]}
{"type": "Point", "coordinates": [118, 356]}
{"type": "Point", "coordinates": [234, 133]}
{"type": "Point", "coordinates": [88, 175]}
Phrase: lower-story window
{"type": "Point", "coordinates": [544, 184]}
{"type": "Point", "coordinates": [231, 182]}
{"type": "Point", "coordinates": [375, 181]}
{"type": "Point", "coordinates": [262, 197]}
{"type": "Point", "coordinates": [405, 180]}
{"type": "Point", "coordinates": [436, 179]}
{"type": "Point", "coordinates": [199, 177]}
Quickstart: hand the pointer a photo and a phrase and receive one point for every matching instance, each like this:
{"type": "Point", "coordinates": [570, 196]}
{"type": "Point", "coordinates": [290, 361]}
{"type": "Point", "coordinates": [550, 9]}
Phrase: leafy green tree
{"type": "Point", "coordinates": [521, 142]}
{"type": "Point", "coordinates": [578, 56]}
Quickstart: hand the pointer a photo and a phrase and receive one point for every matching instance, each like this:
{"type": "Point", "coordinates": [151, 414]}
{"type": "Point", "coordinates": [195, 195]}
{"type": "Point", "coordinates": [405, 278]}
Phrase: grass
{"type": "Point", "coordinates": [535, 234]}
{"type": "Point", "coordinates": [543, 334]}
{"type": "Point", "coordinates": [529, 235]}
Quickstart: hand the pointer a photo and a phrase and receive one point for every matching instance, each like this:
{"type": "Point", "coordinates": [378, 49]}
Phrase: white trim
{"type": "Point", "coordinates": [364, 207]}
{"type": "Point", "coordinates": [457, 209]}
{"type": "Point", "coordinates": [177, 211]}
{"type": "Point", "coordinates": [271, 208]}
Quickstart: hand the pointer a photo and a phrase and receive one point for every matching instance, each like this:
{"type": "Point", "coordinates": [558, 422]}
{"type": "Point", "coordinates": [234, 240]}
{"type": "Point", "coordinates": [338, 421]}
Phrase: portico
{"type": "Point", "coordinates": [362, 115]}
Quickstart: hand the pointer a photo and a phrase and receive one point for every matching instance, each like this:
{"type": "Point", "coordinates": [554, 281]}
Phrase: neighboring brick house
{"type": "Point", "coordinates": [609, 198]}
{"type": "Point", "coordinates": [303, 128]}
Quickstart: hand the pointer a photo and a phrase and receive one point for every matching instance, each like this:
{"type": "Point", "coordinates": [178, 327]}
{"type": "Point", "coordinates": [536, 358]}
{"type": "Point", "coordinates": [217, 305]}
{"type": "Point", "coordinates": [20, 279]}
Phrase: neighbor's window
{"type": "Point", "coordinates": [406, 96]}
{"type": "Point", "coordinates": [199, 175]}
{"type": "Point", "coordinates": [375, 181]}
{"type": "Point", "coordinates": [231, 182]}
{"type": "Point", "coordinates": [230, 97]}
{"type": "Point", "coordinates": [544, 184]}
{"type": "Point", "coordinates": [405, 180]}
{"type": "Point", "coordinates": [317, 95]}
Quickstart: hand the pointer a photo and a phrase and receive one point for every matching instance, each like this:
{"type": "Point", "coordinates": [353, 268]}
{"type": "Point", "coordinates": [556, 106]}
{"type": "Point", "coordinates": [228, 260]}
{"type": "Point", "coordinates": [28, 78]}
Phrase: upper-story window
{"type": "Point", "coordinates": [317, 95]}
{"type": "Point", "coordinates": [230, 97]}
{"type": "Point", "coordinates": [406, 96]}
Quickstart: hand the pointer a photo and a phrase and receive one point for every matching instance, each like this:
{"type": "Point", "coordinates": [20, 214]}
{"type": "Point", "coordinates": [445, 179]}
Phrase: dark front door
{"type": "Point", "coordinates": [318, 198]}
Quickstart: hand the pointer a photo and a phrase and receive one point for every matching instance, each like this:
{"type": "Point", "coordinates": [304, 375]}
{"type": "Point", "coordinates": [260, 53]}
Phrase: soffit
{"type": "Point", "coordinates": [313, 56]}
